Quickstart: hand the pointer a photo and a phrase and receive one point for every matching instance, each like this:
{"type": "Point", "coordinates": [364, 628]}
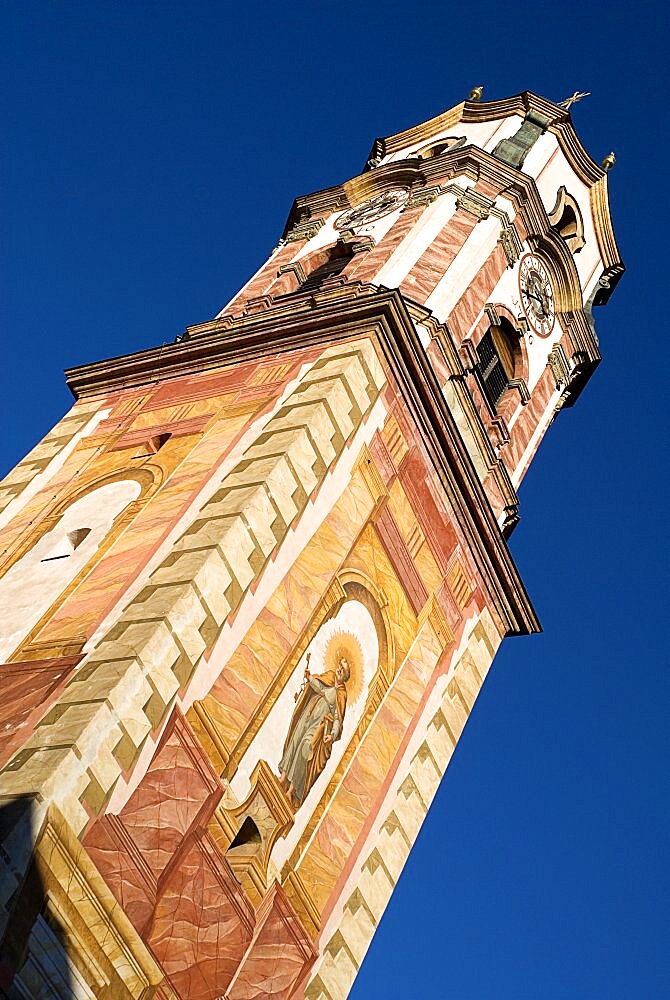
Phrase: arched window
{"type": "Point", "coordinates": [497, 352]}
{"type": "Point", "coordinates": [33, 583]}
{"type": "Point", "coordinates": [566, 219]}
{"type": "Point", "coordinates": [434, 149]}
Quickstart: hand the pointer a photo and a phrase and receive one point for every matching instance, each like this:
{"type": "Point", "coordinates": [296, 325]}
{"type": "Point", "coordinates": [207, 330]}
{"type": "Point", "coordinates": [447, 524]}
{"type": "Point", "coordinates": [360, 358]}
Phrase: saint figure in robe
{"type": "Point", "coordinates": [315, 725]}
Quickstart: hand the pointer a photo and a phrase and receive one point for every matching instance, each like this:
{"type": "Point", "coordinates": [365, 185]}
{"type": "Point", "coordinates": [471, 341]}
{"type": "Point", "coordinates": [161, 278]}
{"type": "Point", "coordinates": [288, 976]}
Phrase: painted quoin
{"type": "Point", "coordinates": [252, 582]}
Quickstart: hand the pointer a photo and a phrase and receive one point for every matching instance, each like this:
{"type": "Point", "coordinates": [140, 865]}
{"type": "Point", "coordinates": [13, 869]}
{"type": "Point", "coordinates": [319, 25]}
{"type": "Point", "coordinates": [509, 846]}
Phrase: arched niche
{"type": "Point", "coordinates": [69, 539]}
{"type": "Point", "coordinates": [566, 219]}
{"type": "Point", "coordinates": [347, 584]}
{"type": "Point", "coordinates": [358, 586]}
{"type": "Point", "coordinates": [350, 630]}
{"type": "Point", "coordinates": [352, 603]}
{"type": "Point", "coordinates": [148, 477]}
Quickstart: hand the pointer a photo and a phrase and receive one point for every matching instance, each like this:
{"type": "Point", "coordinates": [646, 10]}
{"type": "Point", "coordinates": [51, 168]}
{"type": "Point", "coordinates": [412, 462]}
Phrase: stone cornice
{"type": "Point", "coordinates": [607, 244]}
{"type": "Point", "coordinates": [329, 317]}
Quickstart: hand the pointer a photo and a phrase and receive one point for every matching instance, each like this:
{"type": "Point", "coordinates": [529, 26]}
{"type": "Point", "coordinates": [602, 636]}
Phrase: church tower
{"type": "Point", "coordinates": [251, 584]}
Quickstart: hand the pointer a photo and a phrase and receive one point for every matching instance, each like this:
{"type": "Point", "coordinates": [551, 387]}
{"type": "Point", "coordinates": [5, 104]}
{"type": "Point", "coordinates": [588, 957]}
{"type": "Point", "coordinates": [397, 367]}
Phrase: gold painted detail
{"type": "Point", "coordinates": [304, 230]}
{"type": "Point", "coordinates": [424, 196]}
{"type": "Point", "coordinates": [459, 584]}
{"type": "Point", "coordinates": [433, 613]}
{"type": "Point", "coordinates": [474, 203]}
{"type": "Point", "coordinates": [127, 685]}
{"type": "Point", "coordinates": [481, 207]}
{"type": "Point", "coordinates": [560, 367]}
{"type": "Point", "coordinates": [371, 477]}
{"type": "Point", "coordinates": [415, 540]}
{"type": "Point", "coordinates": [395, 441]}
{"type": "Point", "coordinates": [267, 374]}
{"type": "Point", "coordinates": [250, 829]}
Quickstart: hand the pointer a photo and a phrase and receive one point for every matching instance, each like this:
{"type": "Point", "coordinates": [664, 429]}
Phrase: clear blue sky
{"type": "Point", "coordinates": [152, 151]}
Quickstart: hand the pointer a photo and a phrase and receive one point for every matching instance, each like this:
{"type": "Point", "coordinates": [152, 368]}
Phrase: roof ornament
{"type": "Point", "coordinates": [578, 95]}
{"type": "Point", "coordinates": [476, 93]}
{"type": "Point", "coordinates": [608, 162]}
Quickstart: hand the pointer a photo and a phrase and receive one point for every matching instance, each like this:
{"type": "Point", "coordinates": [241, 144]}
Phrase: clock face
{"type": "Point", "coordinates": [373, 209]}
{"type": "Point", "coordinates": [537, 295]}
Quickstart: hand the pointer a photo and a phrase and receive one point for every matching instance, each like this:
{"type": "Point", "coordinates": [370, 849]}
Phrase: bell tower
{"type": "Point", "coordinates": [253, 581]}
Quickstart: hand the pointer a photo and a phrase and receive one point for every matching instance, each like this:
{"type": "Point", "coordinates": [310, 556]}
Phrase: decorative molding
{"type": "Point", "coordinates": [211, 738]}
{"type": "Point", "coordinates": [268, 807]}
{"type": "Point", "coordinates": [280, 943]}
{"type": "Point", "coordinates": [520, 385]}
{"type": "Point", "coordinates": [423, 196]}
{"type": "Point", "coordinates": [106, 945]}
{"type": "Point", "coordinates": [371, 476]}
{"type": "Point", "coordinates": [471, 201]}
{"type": "Point", "coordinates": [202, 582]}
{"type": "Point", "coordinates": [564, 200]}
{"type": "Point", "coordinates": [256, 305]}
{"type": "Point", "coordinates": [514, 150]}
{"type": "Point", "coordinates": [434, 614]}
{"type": "Point", "coordinates": [492, 314]}
{"type": "Point", "coordinates": [299, 896]}
{"type": "Point", "coordinates": [482, 207]}
{"type": "Point", "coordinates": [509, 237]}
{"type": "Point", "coordinates": [468, 354]}
{"type": "Point", "coordinates": [607, 245]}
{"type": "Point", "coordinates": [304, 230]}
{"type": "Point", "coordinates": [479, 165]}
{"type": "Point", "coordinates": [560, 367]}
{"type": "Point", "coordinates": [399, 557]}
{"type": "Point", "coordinates": [355, 243]}
{"type": "Point", "coordinates": [382, 315]}
{"type": "Point", "coordinates": [422, 132]}
{"type": "Point", "coordinates": [296, 268]}
{"type": "Point", "coordinates": [381, 860]}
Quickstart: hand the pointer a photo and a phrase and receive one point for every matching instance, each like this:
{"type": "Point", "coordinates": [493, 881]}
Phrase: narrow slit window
{"type": "Point", "coordinates": [67, 544]}
{"type": "Point", "coordinates": [153, 445]}
{"type": "Point", "coordinates": [247, 836]}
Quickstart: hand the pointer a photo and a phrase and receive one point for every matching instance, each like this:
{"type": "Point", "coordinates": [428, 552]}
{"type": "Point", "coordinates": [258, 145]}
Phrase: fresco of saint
{"type": "Point", "coordinates": [316, 724]}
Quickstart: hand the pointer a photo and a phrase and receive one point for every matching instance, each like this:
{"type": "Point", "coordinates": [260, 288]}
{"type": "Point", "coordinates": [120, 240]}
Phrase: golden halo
{"type": "Point", "coordinates": [347, 645]}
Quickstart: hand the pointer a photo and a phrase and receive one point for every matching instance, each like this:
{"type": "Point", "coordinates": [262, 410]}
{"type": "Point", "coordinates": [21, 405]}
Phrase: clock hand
{"type": "Point", "coordinates": [537, 299]}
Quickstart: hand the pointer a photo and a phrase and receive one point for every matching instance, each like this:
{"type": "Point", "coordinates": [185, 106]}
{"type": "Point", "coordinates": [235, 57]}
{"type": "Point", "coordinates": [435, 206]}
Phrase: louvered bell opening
{"type": "Point", "coordinates": [327, 270]}
{"type": "Point", "coordinates": [493, 373]}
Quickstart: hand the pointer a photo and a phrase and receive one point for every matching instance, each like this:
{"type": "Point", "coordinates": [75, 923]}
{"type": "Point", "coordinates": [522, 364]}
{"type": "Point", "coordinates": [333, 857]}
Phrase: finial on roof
{"type": "Point", "coordinates": [578, 95]}
{"type": "Point", "coordinates": [608, 162]}
{"type": "Point", "coordinates": [476, 94]}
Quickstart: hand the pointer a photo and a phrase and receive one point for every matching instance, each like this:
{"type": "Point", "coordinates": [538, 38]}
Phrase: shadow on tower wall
{"type": "Point", "coordinates": [34, 961]}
